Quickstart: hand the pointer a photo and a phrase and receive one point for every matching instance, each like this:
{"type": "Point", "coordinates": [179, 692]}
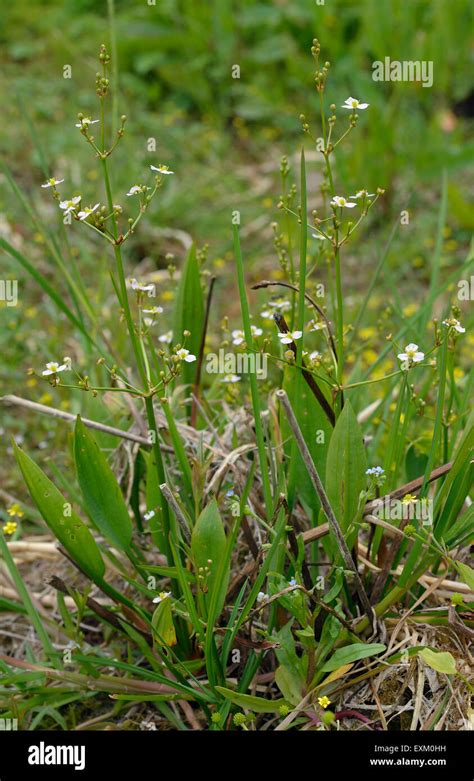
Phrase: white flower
{"type": "Point", "coordinates": [411, 355]}
{"type": "Point", "coordinates": [290, 336]}
{"type": "Point", "coordinates": [238, 336]}
{"type": "Point", "coordinates": [71, 205]}
{"type": "Point", "coordinates": [318, 236]}
{"type": "Point", "coordinates": [281, 305]}
{"type": "Point", "coordinates": [85, 213]}
{"type": "Point", "coordinates": [155, 310]}
{"type": "Point", "coordinates": [136, 189]}
{"type": "Point", "coordinates": [338, 200]}
{"type": "Point", "coordinates": [55, 368]}
{"type": "Point", "coordinates": [354, 104]}
{"type": "Point", "coordinates": [150, 514]}
{"type": "Point", "coordinates": [315, 326]}
{"type": "Point", "coordinates": [230, 378]}
{"type": "Point", "coordinates": [67, 362]}
{"type": "Point", "coordinates": [148, 321]}
{"type": "Point", "coordinates": [142, 287]}
{"type": "Point", "coordinates": [185, 355]}
{"type": "Point", "coordinates": [86, 121]}
{"type": "Point", "coordinates": [166, 338]}
{"type": "Point", "coordinates": [362, 194]}
{"type": "Point", "coordinates": [52, 182]}
{"type": "Point", "coordinates": [314, 355]}
{"type": "Point", "coordinates": [451, 322]}
{"type": "Point", "coordinates": [161, 596]}
{"type": "Point", "coordinates": [162, 169]}
{"type": "Point", "coordinates": [262, 597]}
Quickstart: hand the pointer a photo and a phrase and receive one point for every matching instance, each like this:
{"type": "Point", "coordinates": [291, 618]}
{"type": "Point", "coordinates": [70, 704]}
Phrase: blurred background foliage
{"type": "Point", "coordinates": [224, 137]}
{"type": "Point", "coordinates": [175, 60]}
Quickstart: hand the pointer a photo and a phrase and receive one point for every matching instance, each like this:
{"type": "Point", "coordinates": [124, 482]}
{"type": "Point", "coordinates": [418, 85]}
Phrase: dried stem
{"type": "Point", "coordinates": [328, 511]}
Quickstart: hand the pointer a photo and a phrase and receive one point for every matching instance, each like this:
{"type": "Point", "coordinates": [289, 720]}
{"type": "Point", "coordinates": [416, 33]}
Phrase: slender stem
{"type": "Point", "coordinates": [122, 284]}
{"type": "Point", "coordinates": [160, 471]}
{"type": "Point", "coordinates": [113, 47]}
{"type": "Point", "coordinates": [252, 377]}
{"type": "Point", "coordinates": [340, 318]}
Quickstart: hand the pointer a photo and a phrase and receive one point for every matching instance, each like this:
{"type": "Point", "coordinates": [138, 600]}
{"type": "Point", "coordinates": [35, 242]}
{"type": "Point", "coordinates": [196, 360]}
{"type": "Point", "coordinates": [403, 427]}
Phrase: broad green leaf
{"type": "Point", "coordinates": [162, 622]}
{"type": "Point", "coordinates": [290, 684]}
{"type": "Point", "coordinates": [153, 499]}
{"type": "Point", "coordinates": [208, 547]}
{"type": "Point", "coordinates": [317, 432]}
{"type": "Point", "coordinates": [286, 653]}
{"type": "Point", "coordinates": [189, 313]}
{"type": "Point", "coordinates": [346, 466]}
{"type": "Point", "coordinates": [61, 519]}
{"type": "Point", "coordinates": [102, 495]}
{"type": "Point", "coordinates": [250, 702]}
{"type": "Point", "coordinates": [442, 662]}
{"type": "Point", "coordinates": [467, 574]}
{"type": "Point", "coordinates": [415, 462]}
{"type": "Point", "coordinates": [352, 653]}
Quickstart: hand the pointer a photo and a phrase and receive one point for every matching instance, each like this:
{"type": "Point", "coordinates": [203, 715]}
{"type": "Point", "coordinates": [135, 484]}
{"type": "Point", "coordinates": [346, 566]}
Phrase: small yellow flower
{"type": "Point", "coordinates": [15, 510]}
{"type": "Point", "coordinates": [324, 701]}
{"type": "Point", "coordinates": [10, 527]}
{"type": "Point", "coordinates": [409, 498]}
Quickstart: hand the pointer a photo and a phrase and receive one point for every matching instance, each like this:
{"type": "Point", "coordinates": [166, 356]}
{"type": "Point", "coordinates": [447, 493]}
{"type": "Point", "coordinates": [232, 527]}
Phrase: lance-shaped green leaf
{"type": "Point", "coordinates": [102, 495]}
{"type": "Point", "coordinates": [466, 572]}
{"type": "Point", "coordinates": [346, 465]}
{"type": "Point", "coordinates": [351, 653]}
{"type": "Point", "coordinates": [162, 622]}
{"type": "Point", "coordinates": [71, 532]}
{"type": "Point", "coordinates": [208, 547]}
{"type": "Point", "coordinates": [189, 313]}
{"type": "Point", "coordinates": [257, 704]}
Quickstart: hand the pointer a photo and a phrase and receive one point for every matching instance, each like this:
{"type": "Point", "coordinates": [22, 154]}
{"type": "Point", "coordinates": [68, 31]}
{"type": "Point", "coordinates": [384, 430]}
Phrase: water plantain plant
{"type": "Point", "coordinates": [283, 528]}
